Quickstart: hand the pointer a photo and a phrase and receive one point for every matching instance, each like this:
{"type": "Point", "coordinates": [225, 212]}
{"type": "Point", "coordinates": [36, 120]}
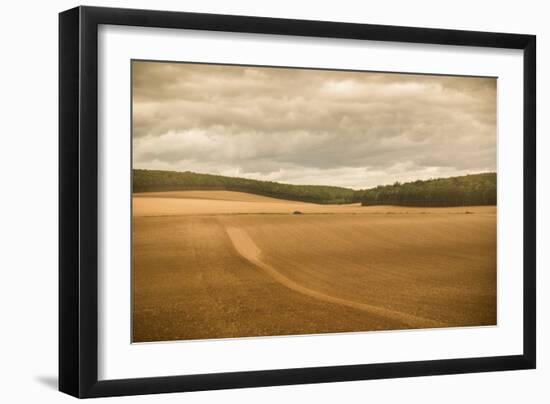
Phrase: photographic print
{"type": "Point", "coordinates": [270, 201]}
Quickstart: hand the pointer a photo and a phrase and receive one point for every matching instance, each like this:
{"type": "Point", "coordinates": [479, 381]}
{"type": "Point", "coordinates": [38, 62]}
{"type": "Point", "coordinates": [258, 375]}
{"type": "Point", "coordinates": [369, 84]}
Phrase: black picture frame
{"type": "Point", "coordinates": [78, 201]}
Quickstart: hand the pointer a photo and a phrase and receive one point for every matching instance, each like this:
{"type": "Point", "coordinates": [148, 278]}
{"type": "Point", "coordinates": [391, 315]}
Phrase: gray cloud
{"type": "Point", "coordinates": [356, 129]}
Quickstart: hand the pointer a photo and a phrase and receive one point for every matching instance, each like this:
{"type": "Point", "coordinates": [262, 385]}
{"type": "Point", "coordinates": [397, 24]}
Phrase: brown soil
{"type": "Point", "coordinates": [219, 264]}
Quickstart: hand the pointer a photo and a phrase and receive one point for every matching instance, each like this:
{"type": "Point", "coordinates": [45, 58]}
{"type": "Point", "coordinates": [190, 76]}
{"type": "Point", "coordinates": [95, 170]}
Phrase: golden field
{"type": "Point", "coordinates": [220, 264]}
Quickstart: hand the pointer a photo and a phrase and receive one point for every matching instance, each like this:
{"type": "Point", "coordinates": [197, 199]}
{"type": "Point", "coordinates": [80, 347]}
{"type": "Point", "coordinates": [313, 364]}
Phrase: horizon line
{"type": "Point", "coordinates": [317, 185]}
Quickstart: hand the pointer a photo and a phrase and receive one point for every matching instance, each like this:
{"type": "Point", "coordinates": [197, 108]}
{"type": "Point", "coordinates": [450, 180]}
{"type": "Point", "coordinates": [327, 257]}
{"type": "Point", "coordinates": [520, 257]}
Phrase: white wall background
{"type": "Point", "coordinates": [28, 200]}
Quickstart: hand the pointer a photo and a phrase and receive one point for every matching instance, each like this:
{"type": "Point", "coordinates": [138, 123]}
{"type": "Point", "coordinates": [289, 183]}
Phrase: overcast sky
{"type": "Point", "coordinates": [352, 129]}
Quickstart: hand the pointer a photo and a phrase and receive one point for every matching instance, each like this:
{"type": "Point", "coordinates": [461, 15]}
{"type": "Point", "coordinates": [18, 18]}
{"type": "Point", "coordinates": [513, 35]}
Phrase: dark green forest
{"type": "Point", "coordinates": [476, 189]}
{"type": "Point", "coordinates": [156, 180]}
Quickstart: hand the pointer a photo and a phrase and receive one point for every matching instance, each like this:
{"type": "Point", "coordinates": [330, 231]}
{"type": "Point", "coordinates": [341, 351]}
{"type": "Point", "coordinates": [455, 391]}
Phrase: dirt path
{"type": "Point", "coordinates": [246, 247]}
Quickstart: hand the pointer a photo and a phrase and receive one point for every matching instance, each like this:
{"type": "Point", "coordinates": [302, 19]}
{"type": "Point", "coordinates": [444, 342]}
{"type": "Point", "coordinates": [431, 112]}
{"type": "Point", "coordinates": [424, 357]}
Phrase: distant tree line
{"type": "Point", "coordinates": [157, 180]}
{"type": "Point", "coordinates": [475, 189]}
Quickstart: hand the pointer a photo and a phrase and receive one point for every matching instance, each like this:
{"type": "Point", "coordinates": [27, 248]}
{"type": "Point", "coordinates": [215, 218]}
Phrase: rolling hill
{"type": "Point", "coordinates": [475, 189]}
{"type": "Point", "coordinates": [156, 180]}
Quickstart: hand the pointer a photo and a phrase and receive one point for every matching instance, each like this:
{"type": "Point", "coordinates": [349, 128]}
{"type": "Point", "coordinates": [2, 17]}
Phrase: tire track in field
{"type": "Point", "coordinates": [246, 247]}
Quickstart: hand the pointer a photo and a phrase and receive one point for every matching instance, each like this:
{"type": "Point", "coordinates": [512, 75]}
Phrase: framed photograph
{"type": "Point", "coordinates": [250, 201]}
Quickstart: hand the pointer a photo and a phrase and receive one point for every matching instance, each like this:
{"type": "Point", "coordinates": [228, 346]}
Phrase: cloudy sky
{"type": "Point", "coordinates": [352, 129]}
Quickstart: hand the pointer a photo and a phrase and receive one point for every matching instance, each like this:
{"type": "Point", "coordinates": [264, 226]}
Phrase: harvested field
{"type": "Point", "coordinates": [220, 264]}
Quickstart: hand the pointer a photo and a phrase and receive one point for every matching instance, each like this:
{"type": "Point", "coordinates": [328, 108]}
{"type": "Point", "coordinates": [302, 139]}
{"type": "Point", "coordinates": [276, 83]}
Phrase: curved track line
{"type": "Point", "coordinates": [246, 247]}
